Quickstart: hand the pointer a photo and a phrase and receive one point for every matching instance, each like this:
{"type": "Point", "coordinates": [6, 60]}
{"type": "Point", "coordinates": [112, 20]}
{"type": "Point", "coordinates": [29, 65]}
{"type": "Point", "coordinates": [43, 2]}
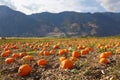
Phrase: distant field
{"type": "Point", "coordinates": [88, 58]}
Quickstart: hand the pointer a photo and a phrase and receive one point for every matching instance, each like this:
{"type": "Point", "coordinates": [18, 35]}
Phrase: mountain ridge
{"type": "Point", "coordinates": [15, 23]}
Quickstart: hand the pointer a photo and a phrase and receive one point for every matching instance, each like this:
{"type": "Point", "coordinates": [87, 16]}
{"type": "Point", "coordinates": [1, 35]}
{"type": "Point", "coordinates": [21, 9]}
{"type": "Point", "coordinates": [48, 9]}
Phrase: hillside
{"type": "Point", "coordinates": [15, 23]}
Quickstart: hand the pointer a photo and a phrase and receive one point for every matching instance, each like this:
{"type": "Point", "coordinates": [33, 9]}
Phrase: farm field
{"type": "Point", "coordinates": [90, 58]}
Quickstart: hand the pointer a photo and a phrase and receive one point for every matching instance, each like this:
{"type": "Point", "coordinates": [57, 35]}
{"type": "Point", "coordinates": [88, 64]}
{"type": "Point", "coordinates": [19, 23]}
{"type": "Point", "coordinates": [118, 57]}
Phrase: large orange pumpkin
{"type": "Point", "coordinates": [66, 64]}
{"type": "Point", "coordinates": [24, 70]}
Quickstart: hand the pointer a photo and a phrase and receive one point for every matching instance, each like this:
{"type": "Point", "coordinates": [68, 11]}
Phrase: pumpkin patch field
{"type": "Point", "coordinates": [90, 58]}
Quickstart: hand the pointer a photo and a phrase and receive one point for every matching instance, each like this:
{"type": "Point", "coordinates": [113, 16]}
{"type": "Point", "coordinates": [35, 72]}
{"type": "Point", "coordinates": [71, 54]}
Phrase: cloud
{"type": "Point", "coordinates": [54, 6]}
{"type": "Point", "coordinates": [111, 5]}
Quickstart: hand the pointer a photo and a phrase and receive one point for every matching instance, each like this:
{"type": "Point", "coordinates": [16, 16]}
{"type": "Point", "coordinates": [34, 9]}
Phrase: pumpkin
{"type": "Point", "coordinates": [108, 54]}
{"type": "Point", "coordinates": [41, 52]}
{"type": "Point", "coordinates": [6, 48]}
{"type": "Point", "coordinates": [9, 60]}
{"type": "Point", "coordinates": [88, 49]}
{"type": "Point", "coordinates": [105, 54]}
{"type": "Point", "coordinates": [24, 70]}
{"type": "Point", "coordinates": [73, 58]}
{"type": "Point", "coordinates": [75, 54]}
{"type": "Point", "coordinates": [65, 50]}
{"type": "Point", "coordinates": [55, 47]}
{"type": "Point", "coordinates": [6, 53]}
{"type": "Point", "coordinates": [15, 55]}
{"type": "Point", "coordinates": [41, 62]}
{"type": "Point", "coordinates": [62, 58]}
{"type": "Point", "coordinates": [103, 60]}
{"type": "Point", "coordinates": [28, 57]}
{"type": "Point", "coordinates": [61, 52]}
{"type": "Point", "coordinates": [22, 54]}
{"type": "Point", "coordinates": [52, 51]}
{"type": "Point", "coordinates": [66, 64]}
{"type": "Point", "coordinates": [46, 53]}
{"type": "Point", "coordinates": [84, 52]}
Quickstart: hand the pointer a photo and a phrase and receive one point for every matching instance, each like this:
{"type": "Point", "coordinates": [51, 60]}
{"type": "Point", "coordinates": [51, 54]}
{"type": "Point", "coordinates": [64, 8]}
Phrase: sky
{"type": "Point", "coordinates": [56, 6]}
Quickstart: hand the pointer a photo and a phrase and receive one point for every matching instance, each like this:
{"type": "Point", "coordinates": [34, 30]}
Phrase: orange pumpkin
{"type": "Point", "coordinates": [73, 58]}
{"type": "Point", "coordinates": [46, 53]}
{"type": "Point", "coordinates": [9, 60]}
{"type": "Point", "coordinates": [28, 57]}
{"type": "Point", "coordinates": [88, 49]}
{"type": "Point", "coordinates": [6, 53]}
{"type": "Point", "coordinates": [22, 54]}
{"type": "Point", "coordinates": [65, 50]}
{"type": "Point", "coordinates": [52, 51]}
{"type": "Point", "coordinates": [66, 64]}
{"type": "Point", "coordinates": [103, 60]}
{"type": "Point", "coordinates": [84, 52]}
{"type": "Point", "coordinates": [105, 54]}
{"type": "Point", "coordinates": [41, 52]}
{"type": "Point", "coordinates": [24, 70]}
{"type": "Point", "coordinates": [102, 55]}
{"type": "Point", "coordinates": [108, 54]}
{"type": "Point", "coordinates": [41, 62]}
{"type": "Point", "coordinates": [75, 54]}
{"type": "Point", "coordinates": [61, 52]}
{"type": "Point", "coordinates": [55, 47]}
{"type": "Point", "coordinates": [6, 48]}
{"type": "Point", "coordinates": [15, 55]}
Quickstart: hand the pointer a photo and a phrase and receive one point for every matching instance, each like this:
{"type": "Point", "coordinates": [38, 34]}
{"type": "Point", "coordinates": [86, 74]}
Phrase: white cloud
{"type": "Point", "coordinates": [55, 6]}
{"type": "Point", "coordinates": [111, 5]}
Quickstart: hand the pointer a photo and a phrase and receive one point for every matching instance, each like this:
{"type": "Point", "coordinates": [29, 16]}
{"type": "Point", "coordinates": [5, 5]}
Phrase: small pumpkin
{"type": "Point", "coordinates": [108, 54]}
{"type": "Point", "coordinates": [55, 47]}
{"type": "Point", "coordinates": [105, 54]}
{"type": "Point", "coordinates": [41, 62]}
{"type": "Point", "coordinates": [28, 57]}
{"type": "Point", "coordinates": [52, 51]}
{"type": "Point", "coordinates": [24, 70]}
{"type": "Point", "coordinates": [9, 60]}
{"type": "Point", "coordinates": [66, 64]}
{"type": "Point", "coordinates": [15, 55]}
{"type": "Point", "coordinates": [75, 54]}
{"type": "Point", "coordinates": [88, 49]}
{"type": "Point", "coordinates": [84, 52]}
{"type": "Point", "coordinates": [73, 58]}
{"type": "Point", "coordinates": [46, 53]}
{"type": "Point", "coordinates": [103, 60]}
{"type": "Point", "coordinates": [22, 54]}
{"type": "Point", "coordinates": [61, 52]}
{"type": "Point", "coordinates": [6, 53]}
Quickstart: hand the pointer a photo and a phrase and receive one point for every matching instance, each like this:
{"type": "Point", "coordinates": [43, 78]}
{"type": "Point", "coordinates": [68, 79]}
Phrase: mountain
{"type": "Point", "coordinates": [15, 23]}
